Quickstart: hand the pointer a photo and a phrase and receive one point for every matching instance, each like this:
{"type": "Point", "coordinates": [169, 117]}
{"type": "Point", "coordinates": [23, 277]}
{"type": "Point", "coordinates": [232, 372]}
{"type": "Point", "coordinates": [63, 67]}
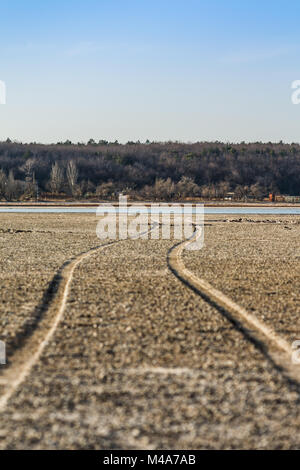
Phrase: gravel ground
{"type": "Point", "coordinates": [257, 264]}
{"type": "Point", "coordinates": [140, 361]}
{"type": "Point", "coordinates": [32, 248]}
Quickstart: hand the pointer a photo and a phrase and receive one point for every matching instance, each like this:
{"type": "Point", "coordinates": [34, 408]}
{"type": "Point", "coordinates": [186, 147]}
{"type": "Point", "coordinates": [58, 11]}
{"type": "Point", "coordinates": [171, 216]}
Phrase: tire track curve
{"type": "Point", "coordinates": [26, 357]}
{"type": "Point", "coordinates": [273, 346]}
{"type": "Point", "coordinates": [53, 306]}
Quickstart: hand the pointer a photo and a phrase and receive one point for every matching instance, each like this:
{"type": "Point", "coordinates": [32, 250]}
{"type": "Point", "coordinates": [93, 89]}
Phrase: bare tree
{"type": "Point", "coordinates": [56, 178]}
{"type": "Point", "coordinates": [28, 169]}
{"type": "Point", "coordinates": [241, 192]}
{"type": "Point", "coordinates": [72, 176]}
{"type": "Point", "coordinates": [209, 191]}
{"type": "Point", "coordinates": [257, 191]}
{"type": "Point", "coordinates": [3, 184]}
{"type": "Point", "coordinates": [11, 191]}
{"type": "Point", "coordinates": [205, 191]}
{"type": "Point", "coordinates": [105, 190]}
{"type": "Point", "coordinates": [186, 187]}
{"type": "Point", "coordinates": [222, 189]}
{"type": "Point", "coordinates": [164, 189]}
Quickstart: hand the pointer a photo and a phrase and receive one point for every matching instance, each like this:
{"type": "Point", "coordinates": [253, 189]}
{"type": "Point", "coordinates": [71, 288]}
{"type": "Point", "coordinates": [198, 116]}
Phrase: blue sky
{"type": "Point", "coordinates": [127, 69]}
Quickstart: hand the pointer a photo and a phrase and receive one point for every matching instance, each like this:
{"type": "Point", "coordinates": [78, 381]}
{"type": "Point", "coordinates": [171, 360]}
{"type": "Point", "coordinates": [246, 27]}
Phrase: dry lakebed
{"type": "Point", "coordinates": [120, 346]}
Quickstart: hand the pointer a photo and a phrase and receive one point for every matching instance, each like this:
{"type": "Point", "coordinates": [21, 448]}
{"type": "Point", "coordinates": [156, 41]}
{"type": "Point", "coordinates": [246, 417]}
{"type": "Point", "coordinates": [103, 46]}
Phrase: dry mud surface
{"type": "Point", "coordinates": [139, 360]}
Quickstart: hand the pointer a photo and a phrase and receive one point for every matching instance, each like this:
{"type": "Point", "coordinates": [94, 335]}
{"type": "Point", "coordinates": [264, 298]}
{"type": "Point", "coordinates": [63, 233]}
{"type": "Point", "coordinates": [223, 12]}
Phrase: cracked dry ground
{"type": "Point", "coordinates": [139, 361]}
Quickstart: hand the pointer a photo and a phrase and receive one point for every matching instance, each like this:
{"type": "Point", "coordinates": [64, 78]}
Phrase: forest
{"type": "Point", "coordinates": [147, 171]}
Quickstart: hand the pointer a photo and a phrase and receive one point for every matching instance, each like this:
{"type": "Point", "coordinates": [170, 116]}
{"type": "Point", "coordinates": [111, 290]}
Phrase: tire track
{"type": "Point", "coordinates": [274, 347]}
{"type": "Point", "coordinates": [26, 357]}
{"type": "Point", "coordinates": [51, 313]}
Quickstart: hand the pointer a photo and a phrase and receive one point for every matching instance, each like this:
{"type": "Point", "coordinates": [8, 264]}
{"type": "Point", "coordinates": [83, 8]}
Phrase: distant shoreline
{"type": "Point", "coordinates": [265, 205]}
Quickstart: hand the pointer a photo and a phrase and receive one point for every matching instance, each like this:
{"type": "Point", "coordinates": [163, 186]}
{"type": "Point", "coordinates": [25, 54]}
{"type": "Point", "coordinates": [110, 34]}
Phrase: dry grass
{"type": "Point", "coordinates": [139, 360]}
{"type": "Point", "coordinates": [32, 248]}
{"type": "Point", "coordinates": [257, 264]}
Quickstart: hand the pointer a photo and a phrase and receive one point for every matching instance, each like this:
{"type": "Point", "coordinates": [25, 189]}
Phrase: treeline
{"type": "Point", "coordinates": [158, 171]}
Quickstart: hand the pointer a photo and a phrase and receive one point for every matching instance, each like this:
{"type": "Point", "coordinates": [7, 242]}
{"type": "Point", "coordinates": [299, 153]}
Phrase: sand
{"type": "Point", "coordinates": [139, 360]}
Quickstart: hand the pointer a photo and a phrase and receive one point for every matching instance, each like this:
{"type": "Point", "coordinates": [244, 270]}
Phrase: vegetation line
{"type": "Point", "coordinates": [151, 171]}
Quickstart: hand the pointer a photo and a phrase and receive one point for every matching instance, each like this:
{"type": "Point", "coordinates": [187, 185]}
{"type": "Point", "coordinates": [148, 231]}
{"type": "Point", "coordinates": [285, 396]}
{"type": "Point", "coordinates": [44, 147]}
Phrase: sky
{"type": "Point", "coordinates": [187, 70]}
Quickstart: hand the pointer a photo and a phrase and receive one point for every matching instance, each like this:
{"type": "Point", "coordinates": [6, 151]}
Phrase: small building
{"type": "Point", "coordinates": [272, 197]}
{"type": "Point", "coordinates": [291, 198]}
{"type": "Point", "coordinates": [229, 196]}
{"type": "Point", "coordinates": [287, 198]}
